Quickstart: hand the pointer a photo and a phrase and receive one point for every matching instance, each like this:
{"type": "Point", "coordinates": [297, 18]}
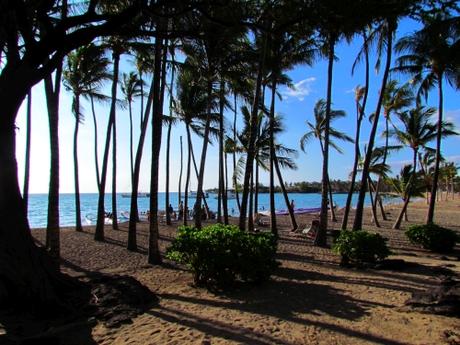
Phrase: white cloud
{"type": "Point", "coordinates": [453, 116]}
{"type": "Point", "coordinates": [301, 89]}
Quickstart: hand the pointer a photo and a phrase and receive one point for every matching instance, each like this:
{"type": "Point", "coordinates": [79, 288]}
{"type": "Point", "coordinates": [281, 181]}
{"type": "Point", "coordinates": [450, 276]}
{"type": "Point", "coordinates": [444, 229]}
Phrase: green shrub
{"type": "Point", "coordinates": [361, 247]}
{"type": "Point", "coordinates": [432, 237]}
{"type": "Point", "coordinates": [220, 254]}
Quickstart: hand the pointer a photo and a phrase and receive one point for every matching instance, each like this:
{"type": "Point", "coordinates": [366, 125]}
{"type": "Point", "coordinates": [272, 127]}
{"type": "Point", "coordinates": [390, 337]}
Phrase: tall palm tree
{"type": "Point", "coordinates": [85, 69]}
{"type": "Point", "coordinates": [384, 34]}
{"type": "Point", "coordinates": [131, 87]}
{"type": "Point", "coordinates": [432, 56]}
{"type": "Point", "coordinates": [361, 94]}
{"type": "Point", "coordinates": [317, 130]}
{"type": "Point", "coordinates": [417, 131]}
{"type": "Point", "coordinates": [395, 99]}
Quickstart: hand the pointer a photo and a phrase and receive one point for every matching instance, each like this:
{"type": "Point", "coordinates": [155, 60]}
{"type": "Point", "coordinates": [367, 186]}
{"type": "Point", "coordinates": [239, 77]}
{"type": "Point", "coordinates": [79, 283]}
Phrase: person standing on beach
{"type": "Point", "coordinates": [292, 204]}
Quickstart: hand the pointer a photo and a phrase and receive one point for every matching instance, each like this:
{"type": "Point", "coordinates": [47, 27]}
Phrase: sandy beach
{"type": "Point", "coordinates": [310, 299]}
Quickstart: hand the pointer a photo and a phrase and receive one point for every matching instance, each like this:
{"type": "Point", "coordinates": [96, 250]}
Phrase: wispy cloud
{"type": "Point", "coordinates": [301, 89]}
{"type": "Point", "coordinates": [453, 116]}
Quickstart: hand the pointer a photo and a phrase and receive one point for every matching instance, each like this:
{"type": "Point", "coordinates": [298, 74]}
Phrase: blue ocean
{"type": "Point", "coordinates": [38, 205]}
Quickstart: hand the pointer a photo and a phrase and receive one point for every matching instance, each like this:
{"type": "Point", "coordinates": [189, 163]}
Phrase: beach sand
{"type": "Point", "coordinates": [310, 299]}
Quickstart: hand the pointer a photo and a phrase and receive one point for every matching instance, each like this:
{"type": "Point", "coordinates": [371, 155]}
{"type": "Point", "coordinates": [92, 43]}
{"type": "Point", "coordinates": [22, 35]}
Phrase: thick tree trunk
{"type": "Point", "coordinates": [434, 186]}
{"type": "Point", "coordinates": [358, 221]}
{"type": "Point", "coordinates": [99, 232]}
{"type": "Point", "coordinates": [157, 124]}
{"type": "Point", "coordinates": [26, 274]}
{"type": "Point", "coordinates": [78, 225]}
{"type": "Point", "coordinates": [252, 138]}
{"type": "Point", "coordinates": [25, 189]}
{"type": "Point", "coordinates": [321, 239]}
{"type": "Point", "coordinates": [134, 213]}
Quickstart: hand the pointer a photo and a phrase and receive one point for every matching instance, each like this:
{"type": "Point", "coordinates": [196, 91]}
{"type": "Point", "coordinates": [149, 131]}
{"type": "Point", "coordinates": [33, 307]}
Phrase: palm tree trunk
{"type": "Point", "coordinates": [358, 221]}
{"type": "Point", "coordinates": [116, 58]}
{"type": "Point", "coordinates": [285, 195]}
{"type": "Point", "coordinates": [272, 158]}
{"type": "Point", "coordinates": [179, 197]}
{"type": "Point", "coordinates": [251, 205]}
{"type": "Point", "coordinates": [142, 98]}
{"type": "Point", "coordinates": [131, 148]}
{"type": "Point", "coordinates": [379, 181]}
{"type": "Point", "coordinates": [431, 206]}
{"type": "Point", "coordinates": [187, 178]}
{"type": "Point", "coordinates": [407, 195]}
{"type": "Point", "coordinates": [78, 226]}
{"type": "Point", "coordinates": [373, 201]}
{"type": "Point", "coordinates": [252, 138]}
{"type": "Point", "coordinates": [331, 201]}
{"type": "Point", "coordinates": [157, 124]}
{"type": "Point", "coordinates": [204, 150]}
{"type": "Point", "coordinates": [195, 167]}
{"type": "Point", "coordinates": [320, 239]}
{"type": "Point", "coordinates": [221, 152]}
{"type": "Point", "coordinates": [168, 142]}
{"type": "Point", "coordinates": [25, 190]}
{"type": "Point", "coordinates": [99, 231]}
{"type": "Point", "coordinates": [235, 181]}
{"type": "Point", "coordinates": [114, 175]}
{"type": "Point", "coordinates": [52, 101]}
{"type": "Point", "coordinates": [133, 213]}
{"type": "Point", "coordinates": [226, 188]}
{"type": "Point", "coordinates": [96, 159]}
{"type": "Point", "coordinates": [360, 111]}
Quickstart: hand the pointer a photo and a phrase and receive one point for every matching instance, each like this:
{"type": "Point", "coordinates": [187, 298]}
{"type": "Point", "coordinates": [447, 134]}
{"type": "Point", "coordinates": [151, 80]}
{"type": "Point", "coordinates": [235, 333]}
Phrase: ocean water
{"type": "Point", "coordinates": [38, 205]}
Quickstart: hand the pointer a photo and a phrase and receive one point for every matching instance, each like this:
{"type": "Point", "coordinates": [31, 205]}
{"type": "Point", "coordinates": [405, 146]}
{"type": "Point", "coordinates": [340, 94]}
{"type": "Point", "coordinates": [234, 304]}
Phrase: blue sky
{"type": "Point", "coordinates": [296, 108]}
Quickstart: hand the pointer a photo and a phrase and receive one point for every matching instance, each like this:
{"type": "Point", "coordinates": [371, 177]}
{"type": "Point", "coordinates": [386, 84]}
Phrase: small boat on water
{"type": "Point", "coordinates": [92, 219]}
{"type": "Point", "coordinates": [139, 195]}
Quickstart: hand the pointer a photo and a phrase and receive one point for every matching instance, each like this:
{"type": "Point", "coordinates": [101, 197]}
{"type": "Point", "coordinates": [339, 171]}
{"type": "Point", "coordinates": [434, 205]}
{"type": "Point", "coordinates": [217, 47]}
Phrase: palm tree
{"type": "Point", "coordinates": [131, 87]}
{"type": "Point", "coordinates": [405, 185]}
{"type": "Point", "coordinates": [361, 94]}
{"type": "Point", "coordinates": [317, 130]}
{"type": "Point", "coordinates": [395, 99]}
{"type": "Point", "coordinates": [384, 33]}
{"type": "Point", "coordinates": [417, 132]}
{"type": "Point", "coordinates": [432, 56]}
{"type": "Point", "coordinates": [283, 154]}
{"type": "Point", "coordinates": [85, 69]}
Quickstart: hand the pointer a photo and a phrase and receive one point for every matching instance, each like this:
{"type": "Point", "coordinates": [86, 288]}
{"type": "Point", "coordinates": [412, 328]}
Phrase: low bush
{"type": "Point", "coordinates": [432, 237]}
{"type": "Point", "coordinates": [361, 247]}
{"type": "Point", "coordinates": [220, 254]}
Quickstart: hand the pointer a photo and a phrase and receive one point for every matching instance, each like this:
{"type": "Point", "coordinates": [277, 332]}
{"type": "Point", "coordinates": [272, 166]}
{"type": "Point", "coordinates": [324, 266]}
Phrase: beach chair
{"type": "Point", "coordinates": [312, 230]}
